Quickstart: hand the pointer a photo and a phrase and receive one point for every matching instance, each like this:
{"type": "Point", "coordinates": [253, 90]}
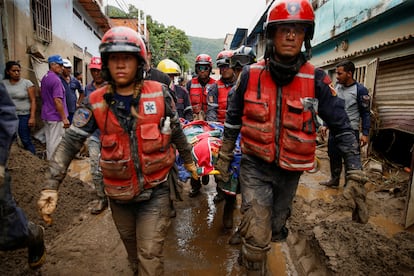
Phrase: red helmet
{"type": "Point", "coordinates": [291, 11]}
{"type": "Point", "coordinates": [95, 63]}
{"type": "Point", "coordinates": [204, 59]}
{"type": "Point", "coordinates": [223, 58]}
{"type": "Point", "coordinates": [122, 39]}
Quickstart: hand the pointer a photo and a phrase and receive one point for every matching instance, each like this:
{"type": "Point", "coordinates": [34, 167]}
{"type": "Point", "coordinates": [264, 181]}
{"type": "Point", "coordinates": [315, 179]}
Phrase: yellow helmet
{"type": "Point", "coordinates": [169, 67]}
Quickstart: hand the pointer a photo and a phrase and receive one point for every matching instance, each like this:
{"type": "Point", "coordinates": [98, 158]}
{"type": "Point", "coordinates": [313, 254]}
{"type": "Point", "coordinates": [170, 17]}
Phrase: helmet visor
{"type": "Point", "coordinates": [223, 61]}
{"type": "Point", "coordinates": [240, 60]}
{"type": "Point", "coordinates": [202, 67]}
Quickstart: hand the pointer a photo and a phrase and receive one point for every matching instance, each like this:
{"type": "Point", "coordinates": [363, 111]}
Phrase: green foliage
{"type": "Point", "coordinates": [170, 42]}
{"type": "Point", "coordinates": [207, 46]}
{"type": "Point", "coordinates": [112, 11]}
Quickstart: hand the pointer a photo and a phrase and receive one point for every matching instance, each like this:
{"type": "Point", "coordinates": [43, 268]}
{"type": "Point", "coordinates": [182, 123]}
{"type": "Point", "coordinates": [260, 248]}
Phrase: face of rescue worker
{"type": "Point", "coordinates": [342, 76]}
{"type": "Point", "coordinates": [123, 68]}
{"type": "Point", "coordinates": [226, 72]}
{"type": "Point", "coordinates": [288, 40]}
{"type": "Point", "coordinates": [203, 71]}
{"type": "Point", "coordinates": [96, 75]}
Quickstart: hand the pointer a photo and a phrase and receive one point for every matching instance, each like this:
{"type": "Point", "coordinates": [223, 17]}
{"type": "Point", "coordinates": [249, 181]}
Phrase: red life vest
{"type": "Point", "coordinates": [276, 126]}
{"type": "Point", "coordinates": [222, 93]}
{"type": "Point", "coordinates": [137, 161]}
{"type": "Point", "coordinates": [198, 95]}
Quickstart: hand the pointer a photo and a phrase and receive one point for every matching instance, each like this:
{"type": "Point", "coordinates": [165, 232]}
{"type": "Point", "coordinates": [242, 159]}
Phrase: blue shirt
{"type": "Point", "coordinates": [70, 89]}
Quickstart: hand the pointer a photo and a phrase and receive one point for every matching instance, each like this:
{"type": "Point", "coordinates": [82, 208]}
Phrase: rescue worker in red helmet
{"type": "Point", "coordinates": [197, 89]}
{"type": "Point", "coordinates": [274, 107]}
{"type": "Point", "coordinates": [140, 133]}
{"type": "Point", "coordinates": [218, 92]}
{"type": "Point", "coordinates": [216, 111]}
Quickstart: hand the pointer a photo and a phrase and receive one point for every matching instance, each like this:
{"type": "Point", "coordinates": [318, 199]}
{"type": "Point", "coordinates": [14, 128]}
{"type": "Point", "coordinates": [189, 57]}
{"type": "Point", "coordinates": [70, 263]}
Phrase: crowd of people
{"type": "Point", "coordinates": [131, 116]}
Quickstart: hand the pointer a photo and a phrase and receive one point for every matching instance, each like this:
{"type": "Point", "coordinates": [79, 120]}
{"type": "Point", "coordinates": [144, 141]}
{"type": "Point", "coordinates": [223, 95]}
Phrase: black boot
{"type": "Point", "coordinates": [332, 183]}
{"type": "Point", "coordinates": [280, 236]}
{"type": "Point", "coordinates": [219, 196]}
{"type": "Point", "coordinates": [195, 187]}
{"type": "Point", "coordinates": [36, 246]}
{"type": "Point", "coordinates": [101, 205]}
{"type": "Point", "coordinates": [228, 211]}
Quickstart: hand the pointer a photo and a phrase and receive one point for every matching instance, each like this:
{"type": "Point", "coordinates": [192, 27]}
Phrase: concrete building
{"type": "Point", "coordinates": [32, 30]}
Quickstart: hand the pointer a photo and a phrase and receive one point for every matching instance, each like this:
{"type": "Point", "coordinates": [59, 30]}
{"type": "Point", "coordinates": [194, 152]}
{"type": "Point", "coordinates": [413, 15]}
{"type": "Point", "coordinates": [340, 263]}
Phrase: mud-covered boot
{"type": "Point", "coordinates": [195, 187]}
{"type": "Point", "coordinates": [36, 246]}
{"type": "Point", "coordinates": [134, 267]}
{"type": "Point", "coordinates": [235, 239]}
{"type": "Point", "coordinates": [355, 193]}
{"type": "Point", "coordinates": [331, 183]}
{"type": "Point", "coordinates": [100, 206]}
{"type": "Point", "coordinates": [254, 259]}
{"type": "Point", "coordinates": [280, 236]}
{"type": "Point", "coordinates": [228, 211]}
{"type": "Point", "coordinates": [219, 197]}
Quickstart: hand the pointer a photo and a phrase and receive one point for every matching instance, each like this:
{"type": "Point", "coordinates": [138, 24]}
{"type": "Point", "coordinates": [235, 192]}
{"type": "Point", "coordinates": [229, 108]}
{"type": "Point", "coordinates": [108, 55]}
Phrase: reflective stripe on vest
{"type": "Point", "coordinates": [288, 138]}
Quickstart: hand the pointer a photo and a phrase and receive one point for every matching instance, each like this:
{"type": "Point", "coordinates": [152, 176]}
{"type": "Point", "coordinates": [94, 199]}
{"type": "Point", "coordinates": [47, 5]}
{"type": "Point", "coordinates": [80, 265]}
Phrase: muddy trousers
{"type": "Point", "coordinates": [94, 148]}
{"type": "Point", "coordinates": [267, 194]}
{"type": "Point", "coordinates": [336, 157]}
{"type": "Point", "coordinates": [143, 227]}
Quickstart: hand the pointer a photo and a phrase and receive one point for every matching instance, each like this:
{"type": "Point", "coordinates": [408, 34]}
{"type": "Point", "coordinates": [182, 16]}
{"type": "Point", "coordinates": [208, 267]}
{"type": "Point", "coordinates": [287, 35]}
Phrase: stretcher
{"type": "Point", "coordinates": [206, 139]}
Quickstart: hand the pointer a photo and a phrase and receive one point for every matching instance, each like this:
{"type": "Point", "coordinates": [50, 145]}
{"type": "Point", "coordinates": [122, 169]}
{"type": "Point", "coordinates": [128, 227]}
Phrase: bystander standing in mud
{"type": "Point", "coordinates": [23, 94]}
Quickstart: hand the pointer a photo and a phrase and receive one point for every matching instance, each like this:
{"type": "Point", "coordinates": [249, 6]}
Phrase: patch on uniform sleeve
{"type": "Point", "coordinates": [327, 80]}
{"type": "Point", "coordinates": [81, 117]}
{"type": "Point", "coordinates": [150, 107]}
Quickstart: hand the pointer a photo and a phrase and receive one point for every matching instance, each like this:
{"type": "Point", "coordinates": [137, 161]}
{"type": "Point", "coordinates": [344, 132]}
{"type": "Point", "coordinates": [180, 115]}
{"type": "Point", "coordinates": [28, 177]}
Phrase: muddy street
{"type": "Point", "coordinates": [323, 240]}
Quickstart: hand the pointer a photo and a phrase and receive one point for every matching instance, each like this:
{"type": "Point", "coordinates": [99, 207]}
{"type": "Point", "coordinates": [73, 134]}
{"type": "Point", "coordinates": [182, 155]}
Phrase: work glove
{"type": "Point", "coordinates": [224, 160]}
{"type": "Point", "coordinates": [47, 204]}
{"type": "Point", "coordinates": [192, 168]}
{"type": "Point", "coordinates": [355, 191]}
{"type": "Point", "coordinates": [222, 165]}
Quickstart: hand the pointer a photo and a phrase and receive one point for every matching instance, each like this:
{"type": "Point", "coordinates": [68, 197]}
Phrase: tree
{"type": "Point", "coordinates": [168, 42]}
{"type": "Point", "coordinates": [165, 41]}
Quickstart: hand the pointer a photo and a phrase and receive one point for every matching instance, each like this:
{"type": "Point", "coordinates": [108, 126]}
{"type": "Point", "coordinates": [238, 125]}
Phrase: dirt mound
{"type": "Point", "coordinates": [27, 172]}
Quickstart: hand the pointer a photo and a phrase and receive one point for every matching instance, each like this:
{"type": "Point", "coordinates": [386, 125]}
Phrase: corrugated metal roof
{"type": "Point", "coordinates": [127, 22]}
{"type": "Point", "coordinates": [238, 38]}
{"type": "Point", "coordinates": [403, 39]}
{"type": "Point", "coordinates": [93, 8]}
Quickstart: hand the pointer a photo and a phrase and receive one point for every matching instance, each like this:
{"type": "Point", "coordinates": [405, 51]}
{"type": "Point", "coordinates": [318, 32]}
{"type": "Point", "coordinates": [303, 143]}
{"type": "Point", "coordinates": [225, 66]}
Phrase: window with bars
{"type": "Point", "coordinates": [42, 20]}
{"type": "Point", "coordinates": [360, 73]}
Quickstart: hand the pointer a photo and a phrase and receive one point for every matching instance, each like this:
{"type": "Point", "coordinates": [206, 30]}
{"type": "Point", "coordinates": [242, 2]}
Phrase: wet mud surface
{"type": "Point", "coordinates": [323, 240]}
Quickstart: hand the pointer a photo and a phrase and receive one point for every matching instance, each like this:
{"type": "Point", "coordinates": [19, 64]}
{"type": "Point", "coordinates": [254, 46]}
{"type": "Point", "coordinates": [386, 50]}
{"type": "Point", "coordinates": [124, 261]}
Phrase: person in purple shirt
{"type": "Point", "coordinates": [54, 110]}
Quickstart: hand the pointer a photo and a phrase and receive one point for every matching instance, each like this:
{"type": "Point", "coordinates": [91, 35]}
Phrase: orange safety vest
{"type": "Point", "coordinates": [198, 95]}
{"type": "Point", "coordinates": [222, 94]}
{"type": "Point", "coordinates": [276, 126]}
{"type": "Point", "coordinates": [137, 161]}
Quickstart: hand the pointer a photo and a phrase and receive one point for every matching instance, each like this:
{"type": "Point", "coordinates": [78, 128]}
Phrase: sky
{"type": "Point", "coordinates": [202, 18]}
